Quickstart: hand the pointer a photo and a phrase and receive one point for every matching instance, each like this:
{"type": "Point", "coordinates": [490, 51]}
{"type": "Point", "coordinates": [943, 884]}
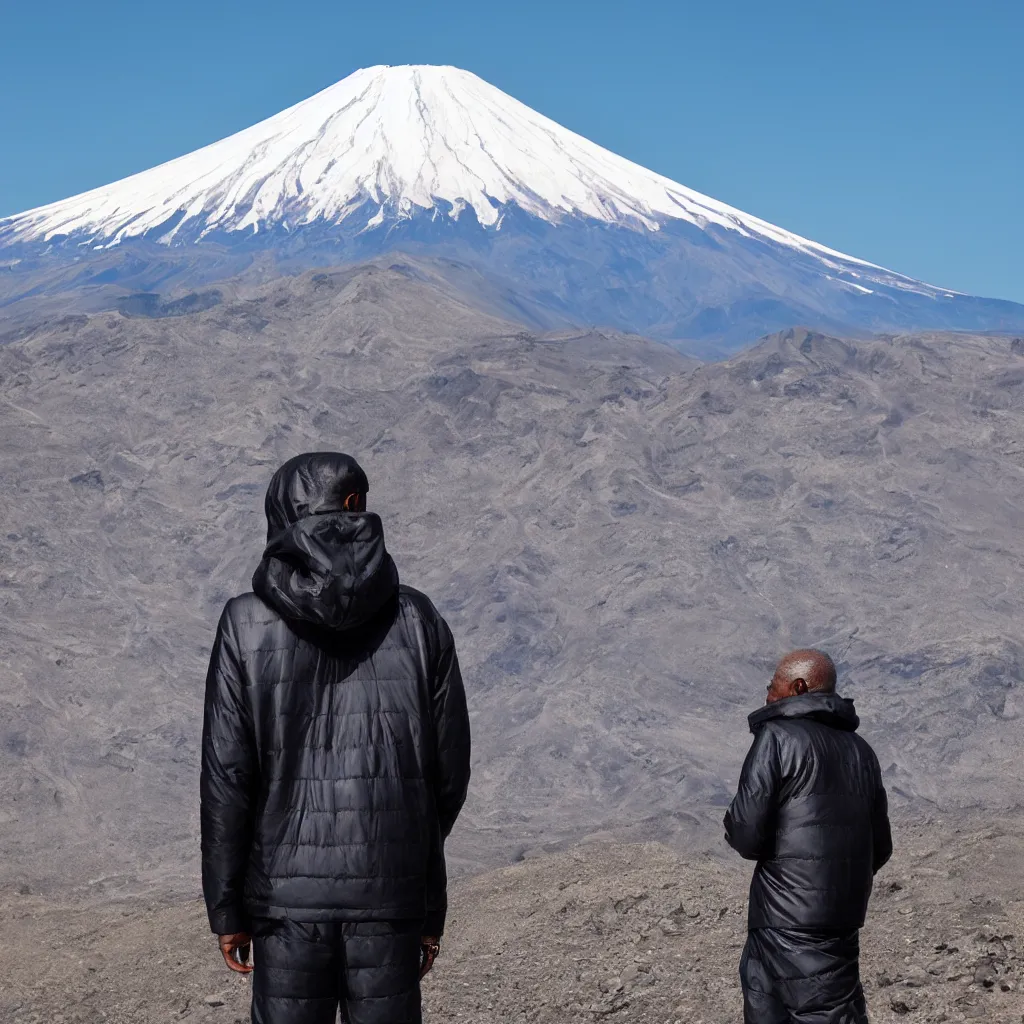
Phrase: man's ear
{"type": "Point", "coordinates": [799, 687]}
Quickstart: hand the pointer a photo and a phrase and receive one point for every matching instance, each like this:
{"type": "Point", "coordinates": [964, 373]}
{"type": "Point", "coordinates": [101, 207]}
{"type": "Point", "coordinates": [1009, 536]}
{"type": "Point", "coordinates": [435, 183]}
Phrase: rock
{"type": "Point", "coordinates": [985, 974]}
{"type": "Point", "coordinates": [213, 1001]}
{"type": "Point", "coordinates": [916, 977]}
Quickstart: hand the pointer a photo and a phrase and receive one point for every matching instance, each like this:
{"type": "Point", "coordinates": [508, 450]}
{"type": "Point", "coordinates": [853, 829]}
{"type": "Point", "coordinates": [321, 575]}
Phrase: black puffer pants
{"type": "Point", "coordinates": [799, 977]}
{"type": "Point", "coordinates": [303, 971]}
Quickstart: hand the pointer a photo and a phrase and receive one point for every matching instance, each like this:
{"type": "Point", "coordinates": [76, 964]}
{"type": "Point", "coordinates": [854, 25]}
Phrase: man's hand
{"type": "Point", "coordinates": [240, 943]}
{"type": "Point", "coordinates": [430, 946]}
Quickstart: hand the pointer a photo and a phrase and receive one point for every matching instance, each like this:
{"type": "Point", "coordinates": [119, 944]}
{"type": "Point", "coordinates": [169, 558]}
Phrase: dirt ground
{"type": "Point", "coordinates": [639, 934]}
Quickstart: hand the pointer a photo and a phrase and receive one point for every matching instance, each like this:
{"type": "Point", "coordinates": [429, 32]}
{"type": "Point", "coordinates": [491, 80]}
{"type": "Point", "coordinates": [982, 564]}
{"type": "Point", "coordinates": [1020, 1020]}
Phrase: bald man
{"type": "Point", "coordinates": [812, 811]}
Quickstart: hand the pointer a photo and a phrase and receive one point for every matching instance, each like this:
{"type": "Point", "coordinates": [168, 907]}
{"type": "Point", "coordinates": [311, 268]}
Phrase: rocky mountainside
{"type": "Point", "coordinates": [437, 161]}
{"type": "Point", "coordinates": [623, 541]}
{"type": "Point", "coordinates": [640, 934]}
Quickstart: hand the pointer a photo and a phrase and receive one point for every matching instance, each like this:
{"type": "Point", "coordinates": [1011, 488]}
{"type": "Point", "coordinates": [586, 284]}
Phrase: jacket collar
{"type": "Point", "coordinates": [827, 708]}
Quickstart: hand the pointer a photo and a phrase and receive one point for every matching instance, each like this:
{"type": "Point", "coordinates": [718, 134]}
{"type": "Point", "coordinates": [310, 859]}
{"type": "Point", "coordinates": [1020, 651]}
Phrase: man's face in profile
{"type": "Point", "coordinates": [781, 686]}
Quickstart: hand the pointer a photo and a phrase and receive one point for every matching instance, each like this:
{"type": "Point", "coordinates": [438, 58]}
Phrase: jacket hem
{"type": "Point", "coordinates": [311, 915]}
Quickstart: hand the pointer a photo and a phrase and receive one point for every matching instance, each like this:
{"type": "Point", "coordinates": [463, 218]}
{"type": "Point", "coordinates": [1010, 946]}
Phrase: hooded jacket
{"type": "Point", "coordinates": [812, 811]}
{"type": "Point", "coordinates": [336, 742]}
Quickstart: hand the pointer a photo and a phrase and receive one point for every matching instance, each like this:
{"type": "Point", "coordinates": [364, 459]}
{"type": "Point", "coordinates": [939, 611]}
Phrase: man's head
{"type": "Point", "coordinates": [313, 484]}
{"type": "Point", "coordinates": [799, 672]}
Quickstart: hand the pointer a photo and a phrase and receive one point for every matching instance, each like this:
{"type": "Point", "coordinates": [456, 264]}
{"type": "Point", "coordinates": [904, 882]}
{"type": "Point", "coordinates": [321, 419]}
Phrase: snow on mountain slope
{"type": "Point", "coordinates": [547, 227]}
{"type": "Point", "coordinates": [406, 138]}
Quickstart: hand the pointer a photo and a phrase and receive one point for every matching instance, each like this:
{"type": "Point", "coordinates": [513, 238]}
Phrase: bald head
{"type": "Point", "coordinates": [803, 671]}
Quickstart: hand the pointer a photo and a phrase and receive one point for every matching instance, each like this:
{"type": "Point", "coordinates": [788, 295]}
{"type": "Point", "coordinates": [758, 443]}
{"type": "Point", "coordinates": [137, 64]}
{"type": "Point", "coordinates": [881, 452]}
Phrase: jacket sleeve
{"type": "Point", "coordinates": [750, 820]}
{"type": "Point", "coordinates": [881, 831]}
{"type": "Point", "coordinates": [228, 784]}
{"type": "Point", "coordinates": [451, 779]}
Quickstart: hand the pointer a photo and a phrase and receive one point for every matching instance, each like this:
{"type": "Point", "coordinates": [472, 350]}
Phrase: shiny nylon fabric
{"type": "Point", "coordinates": [305, 970]}
{"type": "Point", "coordinates": [335, 761]}
{"type": "Point", "coordinates": [812, 811]}
{"type": "Point", "coordinates": [331, 775]}
{"type": "Point", "coordinates": [798, 977]}
{"type": "Point", "coordinates": [311, 484]}
{"type": "Point", "coordinates": [329, 569]}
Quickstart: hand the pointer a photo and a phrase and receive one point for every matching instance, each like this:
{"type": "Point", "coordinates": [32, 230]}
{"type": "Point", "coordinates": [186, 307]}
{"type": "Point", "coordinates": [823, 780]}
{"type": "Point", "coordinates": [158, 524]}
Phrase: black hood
{"type": "Point", "coordinates": [332, 571]}
{"type": "Point", "coordinates": [323, 566]}
{"type": "Point", "coordinates": [311, 484]}
{"type": "Point", "coordinates": [828, 708]}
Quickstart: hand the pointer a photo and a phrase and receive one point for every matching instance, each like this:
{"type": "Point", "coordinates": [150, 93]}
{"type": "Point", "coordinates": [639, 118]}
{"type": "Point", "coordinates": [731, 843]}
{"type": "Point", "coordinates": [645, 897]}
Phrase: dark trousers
{"type": "Point", "coordinates": [793, 977]}
{"type": "Point", "coordinates": [302, 972]}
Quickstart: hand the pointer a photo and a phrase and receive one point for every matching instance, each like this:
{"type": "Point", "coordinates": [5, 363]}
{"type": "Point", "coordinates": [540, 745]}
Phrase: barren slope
{"type": "Point", "coordinates": [622, 543]}
{"type": "Point", "coordinates": [602, 932]}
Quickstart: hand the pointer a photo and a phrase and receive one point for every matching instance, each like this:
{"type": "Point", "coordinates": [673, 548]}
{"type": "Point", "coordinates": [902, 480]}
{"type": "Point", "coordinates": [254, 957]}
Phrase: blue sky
{"type": "Point", "coordinates": [893, 131]}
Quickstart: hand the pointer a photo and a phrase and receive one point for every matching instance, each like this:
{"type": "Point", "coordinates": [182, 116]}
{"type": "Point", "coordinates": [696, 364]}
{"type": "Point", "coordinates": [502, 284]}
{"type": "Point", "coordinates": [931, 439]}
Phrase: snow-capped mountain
{"type": "Point", "coordinates": [435, 159]}
{"type": "Point", "coordinates": [408, 139]}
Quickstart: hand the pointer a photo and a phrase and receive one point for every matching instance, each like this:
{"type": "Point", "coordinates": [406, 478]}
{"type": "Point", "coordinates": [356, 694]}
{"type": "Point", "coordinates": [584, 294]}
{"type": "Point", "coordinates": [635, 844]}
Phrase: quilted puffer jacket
{"type": "Point", "coordinates": [812, 811]}
{"type": "Point", "coordinates": [336, 742]}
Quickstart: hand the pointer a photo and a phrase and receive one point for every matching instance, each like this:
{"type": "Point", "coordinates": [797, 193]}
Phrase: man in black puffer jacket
{"type": "Point", "coordinates": [812, 811]}
{"type": "Point", "coordinates": [335, 762]}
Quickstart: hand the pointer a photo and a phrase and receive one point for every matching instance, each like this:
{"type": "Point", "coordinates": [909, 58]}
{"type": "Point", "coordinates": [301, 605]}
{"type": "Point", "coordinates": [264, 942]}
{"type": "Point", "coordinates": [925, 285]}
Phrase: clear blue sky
{"type": "Point", "coordinates": [889, 129]}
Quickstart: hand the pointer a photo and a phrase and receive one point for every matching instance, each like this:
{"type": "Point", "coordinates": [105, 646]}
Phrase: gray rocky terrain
{"type": "Point", "coordinates": [623, 541]}
{"type": "Point", "coordinates": [601, 932]}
